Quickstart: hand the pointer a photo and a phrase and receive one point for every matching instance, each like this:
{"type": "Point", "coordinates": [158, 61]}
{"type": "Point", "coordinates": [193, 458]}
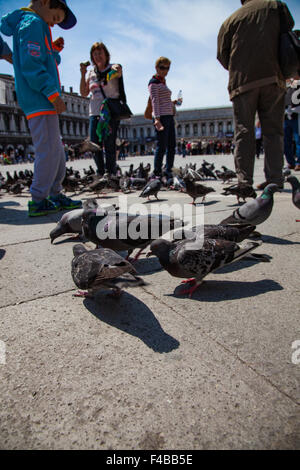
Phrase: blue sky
{"type": "Point", "coordinates": [137, 32]}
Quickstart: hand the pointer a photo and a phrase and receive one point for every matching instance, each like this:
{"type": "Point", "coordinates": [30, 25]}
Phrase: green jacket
{"type": "Point", "coordinates": [248, 46]}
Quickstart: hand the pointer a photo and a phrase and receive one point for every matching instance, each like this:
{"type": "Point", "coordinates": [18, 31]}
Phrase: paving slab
{"type": "Point", "coordinates": [154, 370]}
{"type": "Point", "coordinates": [133, 375]}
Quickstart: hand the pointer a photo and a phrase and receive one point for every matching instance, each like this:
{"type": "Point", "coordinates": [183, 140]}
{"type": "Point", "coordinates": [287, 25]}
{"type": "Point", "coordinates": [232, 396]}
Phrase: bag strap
{"type": "Point", "coordinates": [122, 94]}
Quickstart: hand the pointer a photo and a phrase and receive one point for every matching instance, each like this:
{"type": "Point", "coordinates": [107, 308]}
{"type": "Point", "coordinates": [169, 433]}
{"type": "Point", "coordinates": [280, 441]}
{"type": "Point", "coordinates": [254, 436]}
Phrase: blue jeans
{"type": "Point", "coordinates": [165, 142]}
{"type": "Point", "coordinates": [109, 146]}
{"type": "Point", "coordinates": [291, 130]}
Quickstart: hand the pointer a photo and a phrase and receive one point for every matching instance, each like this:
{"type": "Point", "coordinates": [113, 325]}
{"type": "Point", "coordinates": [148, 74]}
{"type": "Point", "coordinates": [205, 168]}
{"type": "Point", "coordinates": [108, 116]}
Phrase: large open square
{"type": "Point", "coordinates": [155, 369]}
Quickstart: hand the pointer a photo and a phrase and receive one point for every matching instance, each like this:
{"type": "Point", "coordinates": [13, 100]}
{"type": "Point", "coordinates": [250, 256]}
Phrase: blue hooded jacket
{"type": "Point", "coordinates": [35, 61]}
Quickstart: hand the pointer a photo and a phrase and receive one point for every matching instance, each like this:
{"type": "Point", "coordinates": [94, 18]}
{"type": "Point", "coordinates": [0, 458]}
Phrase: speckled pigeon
{"type": "Point", "coordinates": [102, 268]}
{"type": "Point", "coordinates": [194, 260]}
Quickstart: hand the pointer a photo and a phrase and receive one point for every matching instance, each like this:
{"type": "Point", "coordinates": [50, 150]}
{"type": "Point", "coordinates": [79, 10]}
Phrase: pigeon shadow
{"type": "Point", "coordinates": [277, 240]}
{"type": "Point", "coordinates": [20, 217]}
{"type": "Point", "coordinates": [155, 200]}
{"type": "Point", "coordinates": [145, 266]}
{"type": "Point", "coordinates": [133, 317]}
{"type": "Point", "coordinates": [2, 253]}
{"type": "Point", "coordinates": [9, 204]}
{"type": "Point", "coordinates": [209, 203]}
{"type": "Point", "coordinates": [220, 291]}
{"type": "Point", "coordinates": [242, 264]}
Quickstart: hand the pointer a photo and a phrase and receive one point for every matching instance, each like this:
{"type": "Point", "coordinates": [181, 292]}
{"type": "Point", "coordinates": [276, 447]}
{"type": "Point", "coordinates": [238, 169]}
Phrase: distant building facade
{"type": "Point", "coordinates": [193, 125]}
{"type": "Point", "coordinates": [14, 131]}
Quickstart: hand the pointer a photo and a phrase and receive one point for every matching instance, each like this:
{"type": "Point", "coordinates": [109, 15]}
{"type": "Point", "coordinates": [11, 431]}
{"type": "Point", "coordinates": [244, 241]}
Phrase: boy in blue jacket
{"type": "Point", "coordinates": [35, 60]}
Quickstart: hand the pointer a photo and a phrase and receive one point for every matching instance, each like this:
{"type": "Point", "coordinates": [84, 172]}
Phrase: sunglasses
{"type": "Point", "coordinates": [162, 67]}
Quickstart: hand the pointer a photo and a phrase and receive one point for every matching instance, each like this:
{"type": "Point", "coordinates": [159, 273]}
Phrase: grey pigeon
{"type": "Point", "coordinates": [194, 260]}
{"type": "Point", "coordinates": [126, 232]}
{"type": "Point", "coordinates": [71, 222]}
{"type": "Point", "coordinates": [254, 212]}
{"type": "Point", "coordinates": [102, 268]}
{"type": "Point", "coordinates": [233, 233]}
{"type": "Point", "coordinates": [151, 189]}
{"type": "Point", "coordinates": [296, 191]}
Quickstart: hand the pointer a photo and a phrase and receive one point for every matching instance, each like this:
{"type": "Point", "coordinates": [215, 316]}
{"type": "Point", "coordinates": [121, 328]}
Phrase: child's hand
{"type": "Point", "coordinates": [59, 43]}
{"type": "Point", "coordinates": [59, 105]}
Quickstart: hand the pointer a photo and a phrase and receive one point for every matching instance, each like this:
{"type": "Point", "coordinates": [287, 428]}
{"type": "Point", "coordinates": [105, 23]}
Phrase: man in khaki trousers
{"type": "Point", "coordinates": [248, 49]}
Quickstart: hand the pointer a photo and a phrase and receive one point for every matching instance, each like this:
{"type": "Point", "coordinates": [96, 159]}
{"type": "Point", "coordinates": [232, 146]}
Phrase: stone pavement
{"type": "Point", "coordinates": [154, 370]}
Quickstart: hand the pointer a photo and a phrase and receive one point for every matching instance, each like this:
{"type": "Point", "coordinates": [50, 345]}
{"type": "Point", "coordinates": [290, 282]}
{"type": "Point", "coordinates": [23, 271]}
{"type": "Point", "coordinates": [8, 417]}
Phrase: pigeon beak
{"type": "Point", "coordinates": [149, 254]}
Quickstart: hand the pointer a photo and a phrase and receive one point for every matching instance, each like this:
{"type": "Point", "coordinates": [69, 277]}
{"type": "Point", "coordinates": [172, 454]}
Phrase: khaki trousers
{"type": "Point", "coordinates": [269, 102]}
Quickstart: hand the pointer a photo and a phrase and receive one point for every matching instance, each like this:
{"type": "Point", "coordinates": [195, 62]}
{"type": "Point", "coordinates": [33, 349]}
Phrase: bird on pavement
{"type": "Point", "coordinates": [296, 191]}
{"type": "Point", "coordinates": [254, 212]}
{"type": "Point", "coordinates": [71, 222]}
{"type": "Point", "coordinates": [195, 259]}
{"type": "Point", "coordinates": [195, 189]}
{"type": "Point", "coordinates": [151, 189]}
{"type": "Point", "coordinates": [240, 191]}
{"type": "Point", "coordinates": [126, 232]}
{"type": "Point", "coordinates": [101, 268]}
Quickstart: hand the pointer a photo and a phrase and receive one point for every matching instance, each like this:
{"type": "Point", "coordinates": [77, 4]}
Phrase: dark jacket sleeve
{"type": "Point", "coordinates": [224, 46]}
{"type": "Point", "coordinates": [286, 19]}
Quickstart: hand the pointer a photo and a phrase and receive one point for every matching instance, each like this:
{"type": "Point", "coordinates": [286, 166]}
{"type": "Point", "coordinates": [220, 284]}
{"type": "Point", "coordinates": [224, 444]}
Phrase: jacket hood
{"type": "Point", "coordinates": [10, 21]}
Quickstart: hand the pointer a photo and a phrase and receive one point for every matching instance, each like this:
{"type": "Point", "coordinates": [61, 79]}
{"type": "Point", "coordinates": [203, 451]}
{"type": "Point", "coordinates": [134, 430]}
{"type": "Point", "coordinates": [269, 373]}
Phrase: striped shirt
{"type": "Point", "coordinates": [161, 99]}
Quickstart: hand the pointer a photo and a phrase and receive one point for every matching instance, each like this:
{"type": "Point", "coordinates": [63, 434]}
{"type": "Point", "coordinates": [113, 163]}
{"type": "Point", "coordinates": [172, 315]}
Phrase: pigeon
{"type": "Point", "coordinates": [86, 146]}
{"type": "Point", "coordinates": [101, 268]}
{"type": "Point", "coordinates": [254, 212]}
{"type": "Point", "coordinates": [197, 258]}
{"type": "Point", "coordinates": [71, 222]}
{"type": "Point", "coordinates": [151, 189]}
{"type": "Point", "coordinates": [296, 191]}
{"type": "Point", "coordinates": [126, 232]}
{"type": "Point", "coordinates": [240, 191]}
{"type": "Point", "coordinates": [207, 172]}
{"type": "Point", "coordinates": [233, 233]}
{"type": "Point", "coordinates": [195, 189]}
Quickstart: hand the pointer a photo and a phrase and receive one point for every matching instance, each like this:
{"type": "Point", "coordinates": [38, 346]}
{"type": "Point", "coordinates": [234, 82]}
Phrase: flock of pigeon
{"type": "Point", "coordinates": [191, 256]}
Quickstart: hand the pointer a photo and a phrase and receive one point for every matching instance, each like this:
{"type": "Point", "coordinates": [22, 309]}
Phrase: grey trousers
{"type": "Point", "coordinates": [50, 160]}
{"type": "Point", "coordinates": [269, 102]}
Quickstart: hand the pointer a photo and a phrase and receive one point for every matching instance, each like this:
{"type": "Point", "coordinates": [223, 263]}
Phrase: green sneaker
{"type": "Point", "coordinates": [64, 202]}
{"type": "Point", "coordinates": [44, 207]}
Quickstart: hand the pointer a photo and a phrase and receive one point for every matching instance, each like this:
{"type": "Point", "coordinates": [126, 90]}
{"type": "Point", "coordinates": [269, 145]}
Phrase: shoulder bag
{"type": "Point", "coordinates": [118, 107]}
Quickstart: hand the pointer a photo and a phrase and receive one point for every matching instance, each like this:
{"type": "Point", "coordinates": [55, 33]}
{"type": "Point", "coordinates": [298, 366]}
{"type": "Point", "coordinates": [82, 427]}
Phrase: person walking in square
{"type": "Point", "coordinates": [163, 110]}
{"type": "Point", "coordinates": [35, 60]}
{"type": "Point", "coordinates": [248, 48]}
